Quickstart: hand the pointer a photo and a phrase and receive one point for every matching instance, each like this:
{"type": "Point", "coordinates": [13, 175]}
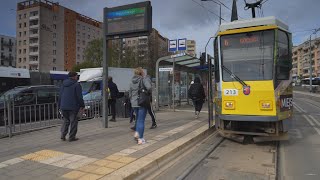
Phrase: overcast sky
{"type": "Point", "coordinates": [185, 18]}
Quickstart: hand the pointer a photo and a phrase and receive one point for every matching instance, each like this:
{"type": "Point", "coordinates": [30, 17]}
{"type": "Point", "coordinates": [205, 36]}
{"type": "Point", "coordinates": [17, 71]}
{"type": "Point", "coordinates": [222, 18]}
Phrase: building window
{"type": "Point", "coordinates": [78, 48]}
{"type": "Point", "coordinates": [84, 35]}
{"type": "Point", "coordinates": [54, 43]}
{"type": "Point", "coordinates": [88, 36]}
{"type": "Point", "coordinates": [78, 56]}
{"type": "Point", "coordinates": [54, 17]}
{"type": "Point", "coordinates": [78, 33]}
{"type": "Point", "coordinates": [24, 67]}
{"type": "Point", "coordinates": [25, 42]}
{"type": "Point", "coordinates": [19, 16]}
{"type": "Point", "coordinates": [54, 35]}
{"type": "Point", "coordinates": [19, 43]}
{"type": "Point", "coordinates": [24, 59]}
{"type": "Point", "coordinates": [25, 33]}
{"type": "Point", "coordinates": [54, 26]}
{"type": "Point", "coordinates": [20, 34]}
{"type": "Point", "coordinates": [78, 41]}
{"type": "Point", "coordinates": [24, 51]}
{"type": "Point", "coordinates": [19, 25]}
{"type": "Point", "coordinates": [83, 43]}
{"type": "Point", "coordinates": [54, 52]}
{"type": "Point", "coordinates": [19, 51]}
{"type": "Point", "coordinates": [25, 24]}
{"type": "Point", "coordinates": [54, 68]}
{"type": "Point", "coordinates": [25, 15]}
{"type": "Point", "coordinates": [19, 60]}
{"type": "Point", "coordinates": [54, 60]}
{"type": "Point", "coordinates": [83, 28]}
{"type": "Point", "coordinates": [89, 29]}
{"type": "Point", "coordinates": [78, 26]}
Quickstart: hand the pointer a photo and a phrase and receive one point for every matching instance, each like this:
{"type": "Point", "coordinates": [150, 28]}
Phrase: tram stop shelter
{"type": "Point", "coordinates": [174, 75]}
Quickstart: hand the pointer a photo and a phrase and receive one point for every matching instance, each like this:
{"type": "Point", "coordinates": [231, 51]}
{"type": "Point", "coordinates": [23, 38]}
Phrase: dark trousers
{"type": "Point", "coordinates": [198, 105]}
{"type": "Point", "coordinates": [112, 106]}
{"type": "Point", "coordinates": [151, 112]}
{"type": "Point", "coordinates": [69, 119]}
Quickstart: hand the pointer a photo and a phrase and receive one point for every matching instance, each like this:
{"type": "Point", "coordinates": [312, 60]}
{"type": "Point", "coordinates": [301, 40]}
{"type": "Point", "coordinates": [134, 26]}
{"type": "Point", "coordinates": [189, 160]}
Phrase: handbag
{"type": "Point", "coordinates": [143, 96]}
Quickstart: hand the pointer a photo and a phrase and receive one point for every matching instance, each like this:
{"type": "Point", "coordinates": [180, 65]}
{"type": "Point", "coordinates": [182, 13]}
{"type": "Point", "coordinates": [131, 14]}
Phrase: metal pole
{"type": "Point", "coordinates": [310, 80]}
{"type": "Point", "coordinates": [210, 103]}
{"type": "Point", "coordinates": [173, 84]}
{"type": "Point", "coordinates": [106, 46]}
{"type": "Point", "coordinates": [220, 14]}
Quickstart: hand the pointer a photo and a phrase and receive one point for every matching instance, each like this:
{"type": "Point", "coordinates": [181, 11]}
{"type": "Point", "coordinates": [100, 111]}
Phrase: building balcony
{"type": "Point", "coordinates": [34, 17]}
{"type": "Point", "coordinates": [6, 58]}
{"type": "Point", "coordinates": [35, 53]}
{"type": "Point", "coordinates": [33, 62]}
{"type": "Point", "coordinates": [34, 44]}
{"type": "Point", "coordinates": [35, 26]}
{"type": "Point", "coordinates": [34, 35]}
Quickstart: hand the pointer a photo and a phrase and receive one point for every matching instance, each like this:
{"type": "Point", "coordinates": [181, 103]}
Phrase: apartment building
{"type": "Point", "coordinates": [52, 37]}
{"type": "Point", "coordinates": [146, 49]}
{"type": "Point", "coordinates": [191, 47]}
{"type": "Point", "coordinates": [7, 51]}
{"type": "Point", "coordinates": [301, 59]}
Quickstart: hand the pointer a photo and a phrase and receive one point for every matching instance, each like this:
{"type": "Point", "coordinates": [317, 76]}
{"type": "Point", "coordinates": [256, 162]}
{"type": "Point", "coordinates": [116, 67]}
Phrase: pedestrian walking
{"type": "Point", "coordinates": [150, 109]}
{"type": "Point", "coordinates": [114, 92]}
{"type": "Point", "coordinates": [197, 94]}
{"type": "Point", "coordinates": [139, 94]}
{"type": "Point", "coordinates": [70, 103]}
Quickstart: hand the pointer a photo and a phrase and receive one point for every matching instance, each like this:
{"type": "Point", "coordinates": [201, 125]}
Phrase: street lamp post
{"type": "Point", "coordinates": [220, 9]}
{"type": "Point", "coordinates": [310, 57]}
{"type": "Point", "coordinates": [210, 101]}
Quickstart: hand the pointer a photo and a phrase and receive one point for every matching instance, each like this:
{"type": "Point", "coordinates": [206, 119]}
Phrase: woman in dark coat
{"type": "Point", "coordinates": [197, 94]}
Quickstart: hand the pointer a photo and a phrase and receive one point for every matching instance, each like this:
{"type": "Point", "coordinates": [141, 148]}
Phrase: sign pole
{"type": "Point", "coordinates": [105, 111]}
{"type": "Point", "coordinates": [174, 85]}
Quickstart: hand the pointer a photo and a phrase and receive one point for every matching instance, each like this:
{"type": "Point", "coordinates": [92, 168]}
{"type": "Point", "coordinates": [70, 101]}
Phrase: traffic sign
{"type": "Point", "coordinates": [182, 44]}
{"type": "Point", "coordinates": [172, 45]}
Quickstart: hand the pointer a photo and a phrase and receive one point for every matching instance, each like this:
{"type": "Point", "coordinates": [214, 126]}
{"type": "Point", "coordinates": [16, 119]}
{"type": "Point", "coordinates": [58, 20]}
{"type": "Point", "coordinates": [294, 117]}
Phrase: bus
{"type": "Point", "coordinates": [12, 77]}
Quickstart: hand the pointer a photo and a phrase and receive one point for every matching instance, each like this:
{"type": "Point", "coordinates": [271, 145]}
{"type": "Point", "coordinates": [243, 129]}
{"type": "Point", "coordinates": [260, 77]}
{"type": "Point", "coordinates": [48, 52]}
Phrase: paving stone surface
{"type": "Point", "coordinates": [99, 151]}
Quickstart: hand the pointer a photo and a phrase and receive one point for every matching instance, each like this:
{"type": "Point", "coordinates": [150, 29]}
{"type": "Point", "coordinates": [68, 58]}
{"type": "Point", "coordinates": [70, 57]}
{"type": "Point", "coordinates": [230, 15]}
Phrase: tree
{"type": "Point", "coordinates": [83, 65]}
{"type": "Point", "coordinates": [94, 52]}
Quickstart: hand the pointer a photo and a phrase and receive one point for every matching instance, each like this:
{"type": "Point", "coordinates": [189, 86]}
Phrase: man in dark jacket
{"type": "Point", "coordinates": [70, 103]}
{"type": "Point", "coordinates": [197, 94]}
{"type": "Point", "coordinates": [112, 97]}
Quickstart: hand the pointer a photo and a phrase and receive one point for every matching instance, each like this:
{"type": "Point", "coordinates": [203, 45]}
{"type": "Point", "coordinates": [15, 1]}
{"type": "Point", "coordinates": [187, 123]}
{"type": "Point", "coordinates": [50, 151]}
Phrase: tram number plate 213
{"type": "Point", "coordinates": [231, 92]}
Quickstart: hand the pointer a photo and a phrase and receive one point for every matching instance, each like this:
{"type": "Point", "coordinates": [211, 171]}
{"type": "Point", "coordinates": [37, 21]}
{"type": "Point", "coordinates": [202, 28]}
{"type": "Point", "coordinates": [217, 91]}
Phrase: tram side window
{"type": "Point", "coordinates": [216, 61]}
{"type": "Point", "coordinates": [283, 57]}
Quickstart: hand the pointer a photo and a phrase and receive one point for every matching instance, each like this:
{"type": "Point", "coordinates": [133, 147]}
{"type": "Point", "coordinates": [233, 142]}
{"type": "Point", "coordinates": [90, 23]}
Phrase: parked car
{"type": "Point", "coordinates": [30, 103]}
{"type": "Point", "coordinates": [93, 105]}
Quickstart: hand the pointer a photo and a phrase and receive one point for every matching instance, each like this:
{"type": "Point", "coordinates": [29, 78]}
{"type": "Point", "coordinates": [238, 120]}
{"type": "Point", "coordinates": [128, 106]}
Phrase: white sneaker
{"type": "Point", "coordinates": [136, 135]}
{"type": "Point", "coordinates": [141, 141]}
{"type": "Point", "coordinates": [197, 114]}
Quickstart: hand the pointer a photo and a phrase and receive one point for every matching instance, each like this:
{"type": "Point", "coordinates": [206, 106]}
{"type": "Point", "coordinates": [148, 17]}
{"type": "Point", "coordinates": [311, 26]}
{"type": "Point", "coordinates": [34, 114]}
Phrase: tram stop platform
{"type": "Point", "coordinates": [100, 153]}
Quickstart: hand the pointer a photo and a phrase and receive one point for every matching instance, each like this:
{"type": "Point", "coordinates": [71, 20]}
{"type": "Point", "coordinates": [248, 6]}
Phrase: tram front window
{"type": "Point", "coordinates": [248, 55]}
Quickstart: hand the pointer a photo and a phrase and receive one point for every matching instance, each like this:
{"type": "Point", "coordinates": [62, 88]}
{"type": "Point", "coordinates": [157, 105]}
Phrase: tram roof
{"type": "Point", "coordinates": [253, 23]}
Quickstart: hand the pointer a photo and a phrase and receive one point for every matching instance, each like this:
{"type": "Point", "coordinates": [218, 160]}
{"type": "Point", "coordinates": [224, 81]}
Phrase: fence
{"type": "Point", "coordinates": [20, 117]}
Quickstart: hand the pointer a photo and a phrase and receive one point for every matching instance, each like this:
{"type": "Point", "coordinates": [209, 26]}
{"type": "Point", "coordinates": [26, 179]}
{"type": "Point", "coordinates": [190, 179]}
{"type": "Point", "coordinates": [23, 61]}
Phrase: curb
{"type": "Point", "coordinates": [138, 167]}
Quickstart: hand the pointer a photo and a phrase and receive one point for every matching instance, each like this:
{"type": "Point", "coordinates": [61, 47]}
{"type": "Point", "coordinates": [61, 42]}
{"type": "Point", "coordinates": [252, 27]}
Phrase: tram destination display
{"type": "Point", "coordinates": [128, 20]}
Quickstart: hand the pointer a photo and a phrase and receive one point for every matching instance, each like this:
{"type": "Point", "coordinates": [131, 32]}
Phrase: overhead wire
{"type": "Point", "coordinates": [208, 10]}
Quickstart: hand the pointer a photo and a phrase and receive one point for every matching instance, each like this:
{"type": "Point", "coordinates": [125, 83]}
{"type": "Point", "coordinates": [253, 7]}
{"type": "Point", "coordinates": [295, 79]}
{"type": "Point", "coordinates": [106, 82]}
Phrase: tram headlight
{"type": "Point", "coordinates": [266, 105]}
{"type": "Point", "coordinates": [229, 105]}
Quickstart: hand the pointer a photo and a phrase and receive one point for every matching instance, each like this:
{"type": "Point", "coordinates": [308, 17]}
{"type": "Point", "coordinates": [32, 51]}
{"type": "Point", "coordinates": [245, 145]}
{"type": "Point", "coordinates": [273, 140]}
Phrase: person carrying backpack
{"type": "Point", "coordinates": [197, 94]}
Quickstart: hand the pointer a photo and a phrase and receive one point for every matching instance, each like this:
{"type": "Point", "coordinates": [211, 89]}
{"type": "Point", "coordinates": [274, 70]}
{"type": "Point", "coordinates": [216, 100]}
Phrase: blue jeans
{"type": "Point", "coordinates": [141, 113]}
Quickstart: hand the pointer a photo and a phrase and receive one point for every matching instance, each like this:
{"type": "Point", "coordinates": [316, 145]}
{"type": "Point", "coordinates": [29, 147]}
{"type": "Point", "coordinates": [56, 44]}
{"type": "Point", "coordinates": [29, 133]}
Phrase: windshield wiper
{"type": "Point", "coordinates": [233, 76]}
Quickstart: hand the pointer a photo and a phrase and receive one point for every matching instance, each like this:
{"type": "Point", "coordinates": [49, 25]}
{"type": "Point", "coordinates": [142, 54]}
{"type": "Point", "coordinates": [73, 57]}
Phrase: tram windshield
{"type": "Point", "coordinates": [248, 55]}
